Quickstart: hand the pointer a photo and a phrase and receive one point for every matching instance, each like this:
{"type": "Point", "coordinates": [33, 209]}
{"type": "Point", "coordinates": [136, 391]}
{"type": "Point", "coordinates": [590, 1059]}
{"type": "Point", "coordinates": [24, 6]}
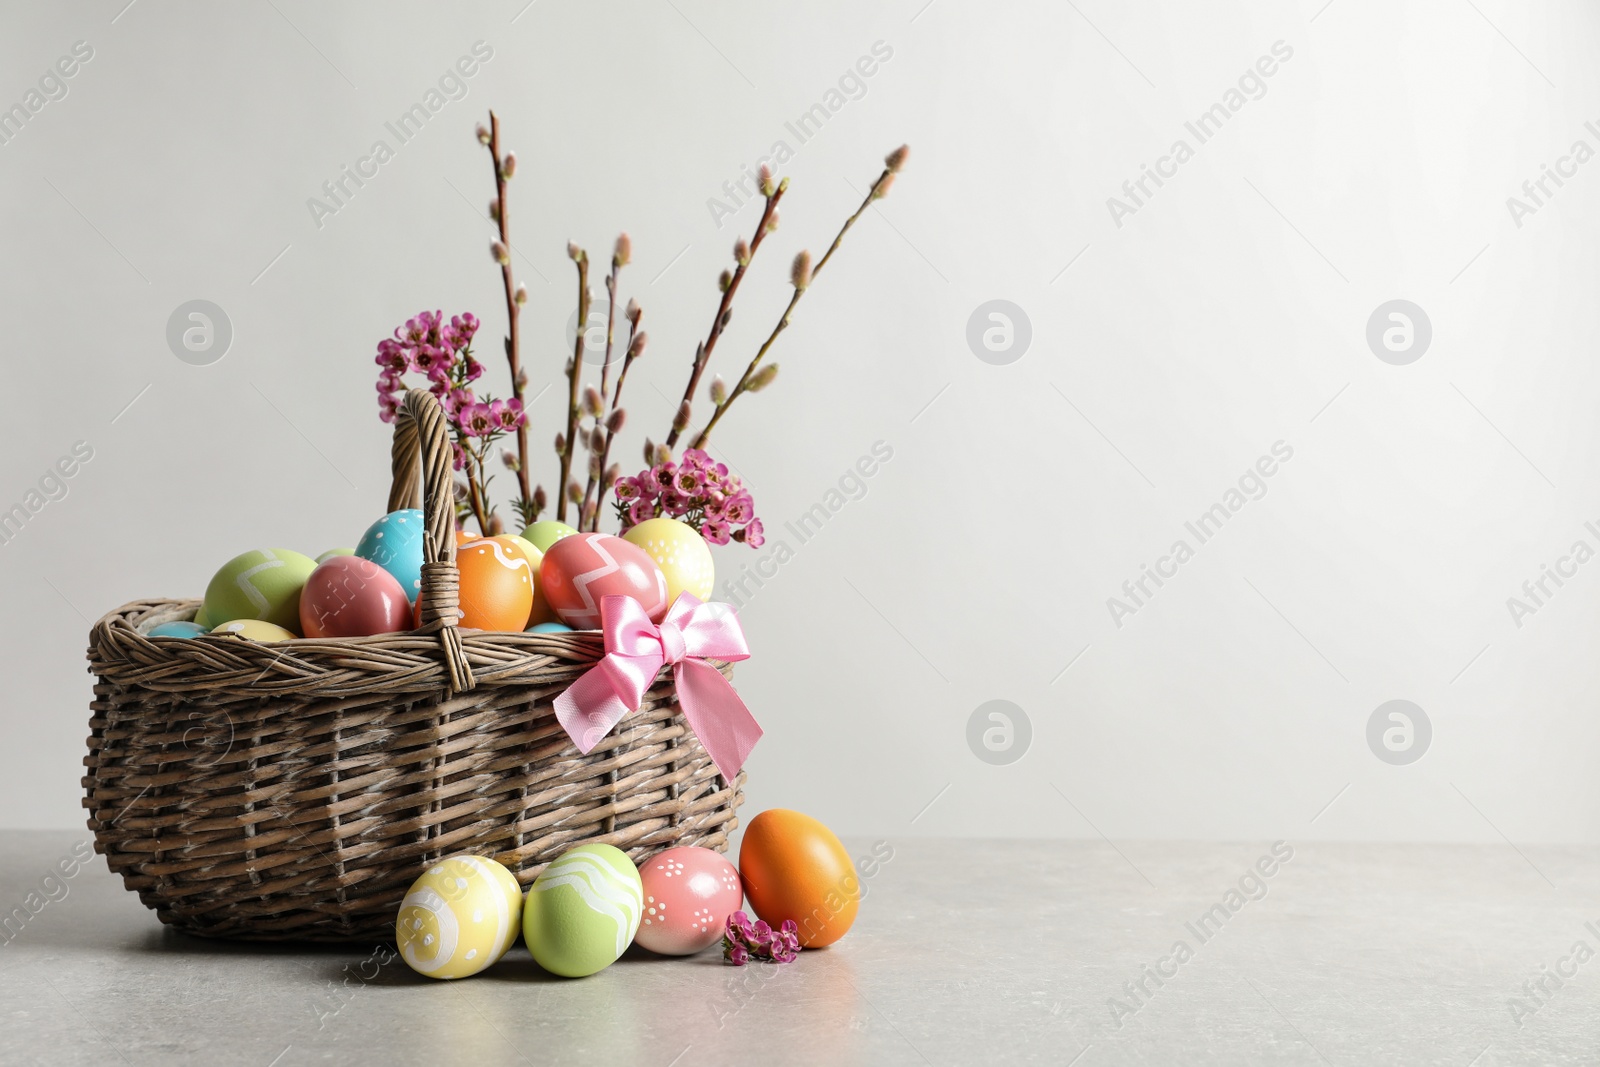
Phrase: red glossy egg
{"type": "Point", "coordinates": [580, 570]}
{"type": "Point", "coordinates": [347, 596]}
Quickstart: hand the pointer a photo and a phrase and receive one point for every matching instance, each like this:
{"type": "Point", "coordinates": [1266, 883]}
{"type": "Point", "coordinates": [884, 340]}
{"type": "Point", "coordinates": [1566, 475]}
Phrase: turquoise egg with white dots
{"type": "Point", "coordinates": [394, 543]}
{"type": "Point", "coordinates": [461, 916]}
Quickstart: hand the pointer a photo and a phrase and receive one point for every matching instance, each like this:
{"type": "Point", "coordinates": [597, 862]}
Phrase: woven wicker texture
{"type": "Point", "coordinates": [295, 790]}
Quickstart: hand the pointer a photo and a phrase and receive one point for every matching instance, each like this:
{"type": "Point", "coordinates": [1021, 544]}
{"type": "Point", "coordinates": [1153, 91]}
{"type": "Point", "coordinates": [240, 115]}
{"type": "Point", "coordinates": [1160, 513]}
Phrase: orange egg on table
{"type": "Point", "coordinates": [496, 590]}
{"type": "Point", "coordinates": [793, 867]}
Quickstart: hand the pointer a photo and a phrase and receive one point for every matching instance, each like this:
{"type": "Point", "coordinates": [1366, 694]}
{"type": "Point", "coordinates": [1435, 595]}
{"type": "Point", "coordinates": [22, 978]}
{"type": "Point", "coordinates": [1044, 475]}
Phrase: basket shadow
{"type": "Point", "coordinates": [168, 941]}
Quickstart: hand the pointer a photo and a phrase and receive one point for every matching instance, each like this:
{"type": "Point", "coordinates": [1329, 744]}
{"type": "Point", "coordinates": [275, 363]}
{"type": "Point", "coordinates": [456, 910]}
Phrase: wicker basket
{"type": "Point", "coordinates": [293, 791]}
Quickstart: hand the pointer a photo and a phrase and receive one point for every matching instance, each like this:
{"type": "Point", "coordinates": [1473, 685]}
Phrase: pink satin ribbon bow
{"type": "Point", "coordinates": [637, 649]}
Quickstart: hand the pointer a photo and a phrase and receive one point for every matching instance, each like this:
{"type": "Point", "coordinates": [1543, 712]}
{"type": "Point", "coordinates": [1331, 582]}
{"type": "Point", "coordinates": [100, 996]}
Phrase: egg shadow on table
{"type": "Point", "coordinates": [517, 965]}
{"type": "Point", "coordinates": [636, 954]}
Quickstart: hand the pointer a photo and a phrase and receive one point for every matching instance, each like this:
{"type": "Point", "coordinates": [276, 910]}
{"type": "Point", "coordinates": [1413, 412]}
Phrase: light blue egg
{"type": "Point", "coordinates": [176, 629]}
{"type": "Point", "coordinates": [548, 628]}
{"type": "Point", "coordinates": [394, 543]}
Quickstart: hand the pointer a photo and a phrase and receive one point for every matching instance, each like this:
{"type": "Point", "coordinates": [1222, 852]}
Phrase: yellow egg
{"type": "Point", "coordinates": [459, 917]}
{"type": "Point", "coordinates": [680, 552]}
{"type": "Point", "coordinates": [255, 630]}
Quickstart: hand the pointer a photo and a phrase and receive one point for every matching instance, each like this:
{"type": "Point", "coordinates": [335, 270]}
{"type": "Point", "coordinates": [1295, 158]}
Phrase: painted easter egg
{"type": "Point", "coordinates": [262, 584]}
{"type": "Point", "coordinates": [203, 620]}
{"type": "Point", "coordinates": [459, 917]}
{"type": "Point", "coordinates": [580, 570]}
{"type": "Point", "coordinates": [394, 543]}
{"type": "Point", "coordinates": [177, 629]}
{"type": "Point", "coordinates": [793, 867]}
{"type": "Point", "coordinates": [549, 628]}
{"type": "Point", "coordinates": [496, 588]}
{"type": "Point", "coordinates": [689, 892]}
{"type": "Point", "coordinates": [348, 596]}
{"type": "Point", "coordinates": [545, 533]}
{"type": "Point", "coordinates": [680, 552]}
{"type": "Point", "coordinates": [255, 630]}
{"type": "Point", "coordinates": [332, 552]}
{"type": "Point", "coordinates": [516, 546]}
{"type": "Point", "coordinates": [582, 911]}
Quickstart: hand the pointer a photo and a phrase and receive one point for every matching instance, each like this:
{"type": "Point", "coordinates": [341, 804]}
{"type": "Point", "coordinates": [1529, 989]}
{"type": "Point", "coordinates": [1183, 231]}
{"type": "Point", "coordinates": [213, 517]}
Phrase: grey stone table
{"type": "Point", "coordinates": [965, 952]}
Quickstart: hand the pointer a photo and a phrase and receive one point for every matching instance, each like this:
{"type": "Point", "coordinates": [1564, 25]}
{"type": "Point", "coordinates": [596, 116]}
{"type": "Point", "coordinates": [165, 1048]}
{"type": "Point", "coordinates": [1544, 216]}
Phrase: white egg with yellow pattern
{"type": "Point", "coordinates": [462, 915]}
{"type": "Point", "coordinates": [680, 552]}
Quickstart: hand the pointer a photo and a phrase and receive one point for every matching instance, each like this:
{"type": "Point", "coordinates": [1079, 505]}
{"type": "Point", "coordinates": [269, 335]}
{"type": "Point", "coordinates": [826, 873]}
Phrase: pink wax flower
{"type": "Point", "coordinates": [477, 421]}
{"type": "Point", "coordinates": [715, 531]}
{"type": "Point", "coordinates": [698, 491]}
{"type": "Point", "coordinates": [507, 414]}
{"type": "Point", "coordinates": [740, 509]}
{"type": "Point", "coordinates": [752, 534]}
{"type": "Point", "coordinates": [743, 941]}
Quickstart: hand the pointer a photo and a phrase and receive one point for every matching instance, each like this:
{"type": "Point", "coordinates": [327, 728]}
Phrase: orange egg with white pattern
{"type": "Point", "coordinates": [496, 587]}
{"type": "Point", "coordinates": [516, 546]}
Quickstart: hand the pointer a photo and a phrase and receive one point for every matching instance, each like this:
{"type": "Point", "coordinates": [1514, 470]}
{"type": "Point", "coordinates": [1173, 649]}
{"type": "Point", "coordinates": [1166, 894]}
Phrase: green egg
{"type": "Point", "coordinates": [261, 584]}
{"type": "Point", "coordinates": [326, 556]}
{"type": "Point", "coordinates": [546, 532]}
{"type": "Point", "coordinates": [581, 913]}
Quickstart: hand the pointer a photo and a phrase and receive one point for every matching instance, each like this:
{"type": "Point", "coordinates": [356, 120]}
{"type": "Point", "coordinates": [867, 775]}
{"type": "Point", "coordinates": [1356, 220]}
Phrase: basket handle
{"type": "Point", "coordinates": [422, 440]}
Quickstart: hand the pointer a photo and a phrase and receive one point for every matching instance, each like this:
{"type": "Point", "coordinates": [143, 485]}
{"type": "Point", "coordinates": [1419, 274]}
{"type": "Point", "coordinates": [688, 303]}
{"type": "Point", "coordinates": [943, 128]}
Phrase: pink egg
{"type": "Point", "coordinates": [689, 893]}
{"type": "Point", "coordinates": [347, 596]}
{"type": "Point", "coordinates": [580, 570]}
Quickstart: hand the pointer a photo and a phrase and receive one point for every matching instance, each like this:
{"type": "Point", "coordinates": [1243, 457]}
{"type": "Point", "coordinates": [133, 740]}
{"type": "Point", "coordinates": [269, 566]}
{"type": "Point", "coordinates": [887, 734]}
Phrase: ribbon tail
{"type": "Point", "coordinates": [725, 727]}
{"type": "Point", "coordinates": [590, 708]}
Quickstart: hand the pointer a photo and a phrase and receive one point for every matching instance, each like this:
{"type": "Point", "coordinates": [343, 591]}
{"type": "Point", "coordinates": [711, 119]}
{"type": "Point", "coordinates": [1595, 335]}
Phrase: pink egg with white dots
{"type": "Point", "coordinates": [689, 893]}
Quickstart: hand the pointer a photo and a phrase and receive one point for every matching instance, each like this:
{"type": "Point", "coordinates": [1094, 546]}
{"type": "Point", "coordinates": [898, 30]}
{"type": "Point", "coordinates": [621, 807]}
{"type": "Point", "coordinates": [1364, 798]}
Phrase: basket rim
{"type": "Point", "coordinates": [119, 651]}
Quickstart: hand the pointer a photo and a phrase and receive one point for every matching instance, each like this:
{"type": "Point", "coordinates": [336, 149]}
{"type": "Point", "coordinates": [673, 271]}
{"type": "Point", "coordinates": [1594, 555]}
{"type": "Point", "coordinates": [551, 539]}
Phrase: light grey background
{"type": "Point", "coordinates": [1229, 312]}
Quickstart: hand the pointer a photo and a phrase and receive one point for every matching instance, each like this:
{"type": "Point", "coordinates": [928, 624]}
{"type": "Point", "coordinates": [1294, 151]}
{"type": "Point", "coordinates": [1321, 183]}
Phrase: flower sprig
{"type": "Point", "coordinates": [441, 351]}
{"type": "Point", "coordinates": [699, 492]}
{"type": "Point", "coordinates": [743, 940]}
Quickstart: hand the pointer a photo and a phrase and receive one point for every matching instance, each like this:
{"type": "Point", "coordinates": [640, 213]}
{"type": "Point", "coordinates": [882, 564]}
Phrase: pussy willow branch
{"type": "Point", "coordinates": [616, 398]}
{"type": "Point", "coordinates": [878, 190]}
{"type": "Point", "coordinates": [574, 371]}
{"type": "Point", "coordinates": [513, 310]}
{"type": "Point", "coordinates": [617, 263]}
{"type": "Point", "coordinates": [703, 357]}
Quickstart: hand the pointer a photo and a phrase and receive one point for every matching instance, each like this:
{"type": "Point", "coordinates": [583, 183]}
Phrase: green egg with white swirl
{"type": "Point", "coordinates": [582, 911]}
